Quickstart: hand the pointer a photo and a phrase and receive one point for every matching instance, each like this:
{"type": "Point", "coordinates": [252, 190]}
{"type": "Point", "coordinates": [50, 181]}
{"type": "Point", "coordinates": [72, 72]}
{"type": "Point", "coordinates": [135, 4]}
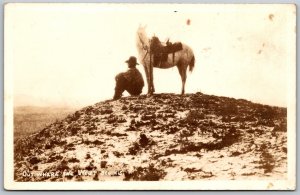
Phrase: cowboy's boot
{"type": "Point", "coordinates": [118, 95]}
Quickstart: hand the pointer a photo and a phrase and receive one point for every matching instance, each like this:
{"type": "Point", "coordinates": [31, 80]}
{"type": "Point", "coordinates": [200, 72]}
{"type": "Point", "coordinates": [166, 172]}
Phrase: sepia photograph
{"type": "Point", "coordinates": [127, 96]}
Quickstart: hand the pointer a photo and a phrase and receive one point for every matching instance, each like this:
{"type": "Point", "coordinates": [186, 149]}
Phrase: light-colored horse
{"type": "Point", "coordinates": [182, 59]}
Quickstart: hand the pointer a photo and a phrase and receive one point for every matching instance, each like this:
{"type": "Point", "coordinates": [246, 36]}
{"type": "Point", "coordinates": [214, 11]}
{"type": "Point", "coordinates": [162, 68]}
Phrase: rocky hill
{"type": "Point", "coordinates": [162, 137]}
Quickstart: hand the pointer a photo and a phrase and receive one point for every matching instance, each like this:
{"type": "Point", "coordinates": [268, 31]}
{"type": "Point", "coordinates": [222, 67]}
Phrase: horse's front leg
{"type": "Point", "coordinates": [147, 73]}
{"type": "Point", "coordinates": [153, 89]}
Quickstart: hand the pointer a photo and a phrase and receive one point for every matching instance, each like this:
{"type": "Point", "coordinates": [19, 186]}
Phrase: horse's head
{"type": "Point", "coordinates": [142, 39]}
{"type": "Point", "coordinates": [142, 30]}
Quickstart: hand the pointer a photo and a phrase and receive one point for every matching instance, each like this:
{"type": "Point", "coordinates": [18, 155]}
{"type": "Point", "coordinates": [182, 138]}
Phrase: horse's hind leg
{"type": "Point", "coordinates": [182, 71]}
{"type": "Point", "coordinates": [183, 79]}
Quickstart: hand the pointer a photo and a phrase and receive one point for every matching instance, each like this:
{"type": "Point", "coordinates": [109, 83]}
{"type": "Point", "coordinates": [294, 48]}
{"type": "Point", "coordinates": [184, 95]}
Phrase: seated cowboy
{"type": "Point", "coordinates": [131, 80]}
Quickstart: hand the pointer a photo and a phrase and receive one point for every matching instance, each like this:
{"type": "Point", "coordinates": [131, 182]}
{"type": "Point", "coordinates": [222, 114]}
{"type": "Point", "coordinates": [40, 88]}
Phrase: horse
{"type": "Point", "coordinates": [182, 59]}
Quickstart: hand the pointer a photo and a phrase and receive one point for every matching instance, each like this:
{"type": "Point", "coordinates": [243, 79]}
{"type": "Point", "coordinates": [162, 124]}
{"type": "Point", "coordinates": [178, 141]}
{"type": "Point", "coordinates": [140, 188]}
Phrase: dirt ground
{"type": "Point", "coordinates": [162, 137]}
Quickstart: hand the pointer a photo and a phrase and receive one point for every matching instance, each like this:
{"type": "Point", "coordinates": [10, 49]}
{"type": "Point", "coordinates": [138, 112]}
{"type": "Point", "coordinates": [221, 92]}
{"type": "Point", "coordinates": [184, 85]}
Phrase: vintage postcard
{"type": "Point", "coordinates": [150, 96]}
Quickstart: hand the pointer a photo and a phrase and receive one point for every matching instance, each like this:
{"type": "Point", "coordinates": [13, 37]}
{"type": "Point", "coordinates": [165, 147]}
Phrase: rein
{"type": "Point", "coordinates": [145, 47]}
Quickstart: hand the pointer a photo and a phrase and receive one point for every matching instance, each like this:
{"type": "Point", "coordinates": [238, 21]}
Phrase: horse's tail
{"type": "Point", "coordinates": [192, 64]}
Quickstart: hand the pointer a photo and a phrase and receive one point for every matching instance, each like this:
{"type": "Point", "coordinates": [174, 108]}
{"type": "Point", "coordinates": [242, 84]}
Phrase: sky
{"type": "Point", "coordinates": [69, 54]}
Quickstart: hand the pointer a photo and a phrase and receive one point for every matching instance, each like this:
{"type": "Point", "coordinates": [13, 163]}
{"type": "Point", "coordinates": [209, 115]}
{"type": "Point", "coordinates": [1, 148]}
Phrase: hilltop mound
{"type": "Point", "coordinates": [162, 137]}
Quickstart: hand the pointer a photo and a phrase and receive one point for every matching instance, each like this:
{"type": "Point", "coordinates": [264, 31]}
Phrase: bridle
{"type": "Point", "coordinates": [145, 47]}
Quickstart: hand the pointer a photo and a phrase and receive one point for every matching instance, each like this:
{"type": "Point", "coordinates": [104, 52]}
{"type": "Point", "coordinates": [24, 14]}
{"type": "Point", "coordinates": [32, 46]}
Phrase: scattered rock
{"type": "Point", "coordinates": [73, 160]}
{"type": "Point", "coordinates": [144, 141]}
{"type": "Point", "coordinates": [103, 164]}
{"type": "Point", "coordinates": [88, 156]}
{"type": "Point", "coordinates": [134, 149]}
{"type": "Point", "coordinates": [34, 160]}
{"type": "Point", "coordinates": [149, 173]}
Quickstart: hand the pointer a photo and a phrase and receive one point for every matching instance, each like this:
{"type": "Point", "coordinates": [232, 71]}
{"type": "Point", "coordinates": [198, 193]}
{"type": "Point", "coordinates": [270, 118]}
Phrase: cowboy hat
{"type": "Point", "coordinates": [132, 60]}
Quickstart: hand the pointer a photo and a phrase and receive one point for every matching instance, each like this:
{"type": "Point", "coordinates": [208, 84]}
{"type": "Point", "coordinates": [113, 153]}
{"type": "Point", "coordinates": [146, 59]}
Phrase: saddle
{"type": "Point", "coordinates": [161, 52]}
